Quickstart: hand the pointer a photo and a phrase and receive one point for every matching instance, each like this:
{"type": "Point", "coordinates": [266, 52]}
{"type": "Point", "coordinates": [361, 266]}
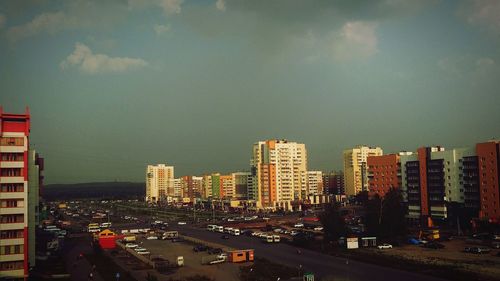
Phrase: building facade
{"type": "Point", "coordinates": [241, 182]}
{"type": "Point", "coordinates": [384, 173]}
{"type": "Point", "coordinates": [159, 182]}
{"type": "Point", "coordinates": [333, 183]}
{"type": "Point", "coordinates": [279, 168]}
{"type": "Point", "coordinates": [489, 174]}
{"type": "Point", "coordinates": [355, 168]}
{"type": "Point", "coordinates": [17, 216]}
{"type": "Point", "coordinates": [315, 182]}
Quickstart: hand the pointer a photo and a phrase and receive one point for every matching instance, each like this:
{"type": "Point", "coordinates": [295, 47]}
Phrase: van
{"type": "Point", "coordinates": [170, 235]}
{"type": "Point", "coordinates": [105, 225]}
{"type": "Point", "coordinates": [211, 227]}
{"type": "Point", "coordinates": [267, 239]}
{"type": "Point", "coordinates": [276, 238]}
{"type": "Point", "coordinates": [234, 231]}
{"type": "Point", "coordinates": [219, 228]}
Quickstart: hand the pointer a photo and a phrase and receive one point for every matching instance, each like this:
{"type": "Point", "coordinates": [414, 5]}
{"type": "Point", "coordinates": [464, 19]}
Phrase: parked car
{"type": "Point", "coordinates": [225, 237]}
{"type": "Point", "coordinates": [298, 225]}
{"type": "Point", "coordinates": [152, 238]}
{"type": "Point", "coordinates": [181, 223]}
{"type": "Point", "coordinates": [131, 245]}
{"type": "Point", "coordinates": [384, 246]}
{"type": "Point", "coordinates": [200, 248]}
{"type": "Point", "coordinates": [177, 240]}
{"type": "Point", "coordinates": [318, 228]}
{"type": "Point", "coordinates": [477, 250]}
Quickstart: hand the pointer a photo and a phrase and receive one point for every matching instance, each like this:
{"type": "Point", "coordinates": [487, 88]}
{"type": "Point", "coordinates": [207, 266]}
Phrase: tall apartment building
{"type": "Point", "coordinates": [279, 168]}
{"type": "Point", "coordinates": [333, 183]}
{"type": "Point", "coordinates": [20, 179]}
{"type": "Point", "coordinates": [384, 173]}
{"type": "Point", "coordinates": [207, 186]}
{"type": "Point", "coordinates": [315, 182]}
{"type": "Point", "coordinates": [241, 182]}
{"type": "Point", "coordinates": [215, 186]}
{"type": "Point", "coordinates": [355, 168]}
{"type": "Point", "coordinates": [227, 187]}
{"type": "Point", "coordinates": [159, 182]}
{"type": "Point", "coordinates": [489, 173]}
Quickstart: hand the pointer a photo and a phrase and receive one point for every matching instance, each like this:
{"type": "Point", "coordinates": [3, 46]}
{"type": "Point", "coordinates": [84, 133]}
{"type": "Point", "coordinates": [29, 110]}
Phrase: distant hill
{"type": "Point", "coordinates": [104, 190]}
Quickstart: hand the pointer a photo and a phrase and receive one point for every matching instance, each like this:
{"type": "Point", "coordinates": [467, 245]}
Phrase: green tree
{"type": "Point", "coordinates": [393, 218]}
{"type": "Point", "coordinates": [333, 223]}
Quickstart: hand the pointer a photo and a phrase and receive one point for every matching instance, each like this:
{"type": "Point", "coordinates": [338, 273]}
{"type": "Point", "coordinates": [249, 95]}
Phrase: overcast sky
{"type": "Point", "coordinates": [115, 85]}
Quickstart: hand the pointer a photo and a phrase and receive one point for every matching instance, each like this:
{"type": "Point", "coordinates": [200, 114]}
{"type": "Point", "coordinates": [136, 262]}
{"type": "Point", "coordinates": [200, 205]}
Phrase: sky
{"type": "Point", "coordinates": [115, 85]}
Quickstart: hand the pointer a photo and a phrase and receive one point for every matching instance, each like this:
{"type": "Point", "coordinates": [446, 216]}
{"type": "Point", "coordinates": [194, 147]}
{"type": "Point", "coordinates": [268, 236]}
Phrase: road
{"type": "Point", "coordinates": [320, 264]}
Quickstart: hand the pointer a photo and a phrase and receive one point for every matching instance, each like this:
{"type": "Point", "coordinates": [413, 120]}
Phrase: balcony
{"type": "Point", "coordinates": [11, 179]}
{"type": "Point", "coordinates": [12, 195]}
{"type": "Point", "coordinates": [12, 211]}
{"type": "Point", "coordinates": [12, 226]}
{"type": "Point", "coordinates": [14, 257]}
{"type": "Point", "coordinates": [11, 164]}
{"type": "Point", "coordinates": [13, 241]}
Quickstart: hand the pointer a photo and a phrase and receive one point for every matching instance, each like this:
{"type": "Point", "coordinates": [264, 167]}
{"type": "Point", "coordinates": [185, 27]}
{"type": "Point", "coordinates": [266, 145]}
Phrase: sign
{"type": "Point", "coordinates": [352, 243]}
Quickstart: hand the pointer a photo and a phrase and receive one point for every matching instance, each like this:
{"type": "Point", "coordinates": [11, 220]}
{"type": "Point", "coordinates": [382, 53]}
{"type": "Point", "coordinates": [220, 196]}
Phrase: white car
{"type": "Point", "coordinates": [385, 246]}
{"type": "Point", "coordinates": [144, 252]}
{"type": "Point", "coordinates": [318, 228]}
{"type": "Point", "coordinates": [140, 249]}
{"type": "Point", "coordinates": [152, 238]}
{"type": "Point", "coordinates": [131, 245]}
{"type": "Point", "coordinates": [181, 223]}
{"type": "Point", "coordinates": [299, 225]}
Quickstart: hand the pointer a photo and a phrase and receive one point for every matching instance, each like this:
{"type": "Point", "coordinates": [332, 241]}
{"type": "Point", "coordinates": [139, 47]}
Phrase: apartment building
{"type": "Point", "coordinates": [489, 174]}
{"type": "Point", "coordinates": [14, 196]}
{"type": "Point", "coordinates": [315, 182]}
{"type": "Point", "coordinates": [207, 186]}
{"type": "Point", "coordinates": [159, 182]}
{"type": "Point", "coordinates": [279, 168]}
{"type": "Point", "coordinates": [241, 182]}
{"type": "Point", "coordinates": [227, 187]}
{"type": "Point", "coordinates": [355, 168]}
{"type": "Point", "coordinates": [333, 183]}
{"type": "Point", "coordinates": [384, 173]}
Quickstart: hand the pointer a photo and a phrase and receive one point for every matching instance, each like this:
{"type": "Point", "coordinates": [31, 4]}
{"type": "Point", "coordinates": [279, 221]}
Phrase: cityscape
{"type": "Point", "coordinates": [187, 140]}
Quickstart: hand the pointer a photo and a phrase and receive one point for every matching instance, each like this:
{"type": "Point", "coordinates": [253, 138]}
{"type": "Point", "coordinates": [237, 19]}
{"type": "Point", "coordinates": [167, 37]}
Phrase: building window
{"type": "Point", "coordinates": [11, 265]}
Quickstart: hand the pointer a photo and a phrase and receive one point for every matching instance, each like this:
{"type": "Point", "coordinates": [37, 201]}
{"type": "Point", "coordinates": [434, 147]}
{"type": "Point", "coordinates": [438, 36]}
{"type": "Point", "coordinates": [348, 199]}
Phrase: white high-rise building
{"type": "Point", "coordinates": [159, 182]}
{"type": "Point", "coordinates": [355, 168]}
{"type": "Point", "coordinates": [315, 182]}
{"type": "Point", "coordinates": [279, 168]}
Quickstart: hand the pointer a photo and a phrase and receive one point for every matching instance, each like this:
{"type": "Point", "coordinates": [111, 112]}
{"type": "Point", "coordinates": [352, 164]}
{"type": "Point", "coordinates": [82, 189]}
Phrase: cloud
{"type": "Point", "coordinates": [3, 19]}
{"type": "Point", "coordinates": [485, 13]}
{"type": "Point", "coordinates": [90, 63]}
{"type": "Point", "coordinates": [50, 22]}
{"type": "Point", "coordinates": [220, 5]}
{"type": "Point", "coordinates": [171, 6]}
{"type": "Point", "coordinates": [161, 29]}
{"type": "Point", "coordinates": [467, 65]}
{"type": "Point", "coordinates": [356, 40]}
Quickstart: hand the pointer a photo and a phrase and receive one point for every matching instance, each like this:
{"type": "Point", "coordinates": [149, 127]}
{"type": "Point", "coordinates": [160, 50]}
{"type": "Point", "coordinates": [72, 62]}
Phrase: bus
{"type": "Point", "coordinates": [211, 227]}
{"type": "Point", "coordinates": [93, 228]}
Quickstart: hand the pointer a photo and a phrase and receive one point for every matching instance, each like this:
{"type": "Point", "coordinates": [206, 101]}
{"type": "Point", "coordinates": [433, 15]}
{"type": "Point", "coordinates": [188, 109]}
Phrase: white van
{"type": "Point", "coordinates": [219, 228]}
{"type": "Point", "coordinates": [276, 238]}
{"type": "Point", "coordinates": [211, 227]}
{"type": "Point", "coordinates": [234, 231]}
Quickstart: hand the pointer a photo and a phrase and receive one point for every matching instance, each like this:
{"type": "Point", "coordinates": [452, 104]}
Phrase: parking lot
{"type": "Point", "coordinates": [192, 261]}
{"type": "Point", "coordinates": [452, 254]}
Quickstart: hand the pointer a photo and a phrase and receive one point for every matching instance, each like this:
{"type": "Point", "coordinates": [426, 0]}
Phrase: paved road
{"type": "Point", "coordinates": [322, 265]}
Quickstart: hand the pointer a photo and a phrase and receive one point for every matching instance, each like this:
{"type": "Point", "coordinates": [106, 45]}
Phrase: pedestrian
{"type": "Point", "coordinates": [91, 276]}
{"type": "Point", "coordinates": [93, 267]}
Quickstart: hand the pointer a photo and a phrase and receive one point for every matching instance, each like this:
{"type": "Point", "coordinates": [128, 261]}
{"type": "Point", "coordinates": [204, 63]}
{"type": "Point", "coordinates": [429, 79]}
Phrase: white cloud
{"type": "Point", "coordinates": [220, 5]}
{"type": "Point", "coordinates": [3, 19]}
{"type": "Point", "coordinates": [45, 22]}
{"type": "Point", "coordinates": [161, 29]}
{"type": "Point", "coordinates": [483, 12]}
{"type": "Point", "coordinates": [88, 62]}
{"type": "Point", "coordinates": [356, 40]}
{"type": "Point", "coordinates": [466, 65]}
{"type": "Point", "coordinates": [171, 6]}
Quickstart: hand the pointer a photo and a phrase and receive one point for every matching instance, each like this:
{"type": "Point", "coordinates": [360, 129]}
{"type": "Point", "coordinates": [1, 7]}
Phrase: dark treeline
{"type": "Point", "coordinates": [101, 190]}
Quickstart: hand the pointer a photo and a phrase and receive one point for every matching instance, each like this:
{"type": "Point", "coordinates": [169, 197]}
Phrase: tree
{"type": "Point", "coordinates": [393, 218]}
{"type": "Point", "coordinates": [334, 225]}
{"type": "Point", "coordinates": [385, 216]}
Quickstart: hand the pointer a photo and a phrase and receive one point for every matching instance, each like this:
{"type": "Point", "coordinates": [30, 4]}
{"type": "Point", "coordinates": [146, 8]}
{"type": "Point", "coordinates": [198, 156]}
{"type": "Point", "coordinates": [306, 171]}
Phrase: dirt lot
{"type": "Point", "coordinates": [452, 255]}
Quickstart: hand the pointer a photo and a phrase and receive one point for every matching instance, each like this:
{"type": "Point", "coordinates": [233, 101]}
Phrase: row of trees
{"type": "Point", "coordinates": [385, 217]}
